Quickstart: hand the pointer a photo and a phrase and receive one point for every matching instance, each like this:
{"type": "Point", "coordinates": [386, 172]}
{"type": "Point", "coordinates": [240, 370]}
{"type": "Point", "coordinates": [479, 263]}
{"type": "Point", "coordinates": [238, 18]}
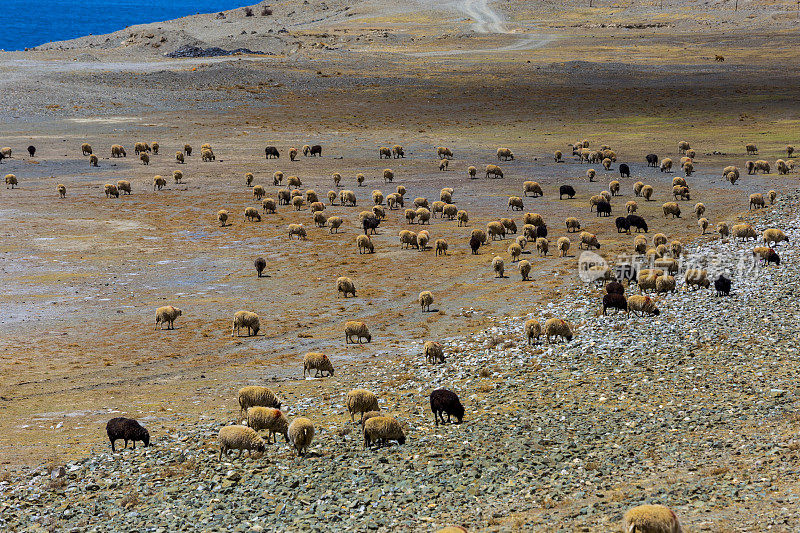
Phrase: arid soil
{"type": "Point", "coordinates": [83, 275]}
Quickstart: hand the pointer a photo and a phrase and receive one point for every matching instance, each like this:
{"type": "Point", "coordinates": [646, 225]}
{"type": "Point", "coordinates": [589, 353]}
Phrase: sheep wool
{"type": "Point", "coordinates": [381, 429]}
{"type": "Point", "coordinates": [256, 396]}
{"type": "Point", "coordinates": [533, 330]}
{"type": "Point", "coordinates": [271, 419]}
{"type": "Point", "coordinates": [345, 286]}
{"type": "Point", "coordinates": [355, 329]}
{"type": "Point", "coordinates": [361, 401]}
{"type": "Point", "coordinates": [425, 300]}
{"type": "Point", "coordinates": [301, 433]}
{"type": "Point", "coordinates": [239, 438]}
{"type": "Point", "coordinates": [434, 352]}
{"type": "Point", "coordinates": [651, 519]}
{"type": "Point", "coordinates": [167, 315]}
{"type": "Point", "coordinates": [245, 319]}
{"type": "Point", "coordinates": [557, 327]}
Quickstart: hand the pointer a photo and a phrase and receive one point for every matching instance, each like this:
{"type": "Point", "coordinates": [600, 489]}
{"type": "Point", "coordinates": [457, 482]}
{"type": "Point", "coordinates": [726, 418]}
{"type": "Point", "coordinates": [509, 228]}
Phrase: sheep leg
{"type": "Point", "coordinates": [112, 446]}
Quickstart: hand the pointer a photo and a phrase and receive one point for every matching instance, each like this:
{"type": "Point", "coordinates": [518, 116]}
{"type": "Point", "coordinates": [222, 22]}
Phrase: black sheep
{"type": "Point", "coordinates": [541, 231]}
{"type": "Point", "coordinates": [1, 157]}
{"type": "Point", "coordinates": [126, 429]}
{"type": "Point", "coordinates": [614, 301]}
{"type": "Point", "coordinates": [627, 271]}
{"type": "Point", "coordinates": [624, 171]}
{"type": "Point", "coordinates": [637, 222]}
{"type": "Point", "coordinates": [260, 264]}
{"type": "Point", "coordinates": [271, 152]}
{"type": "Point", "coordinates": [722, 285]}
{"type": "Point", "coordinates": [772, 257]}
{"type": "Point", "coordinates": [370, 224]}
{"type": "Point", "coordinates": [445, 401]}
{"type": "Point", "coordinates": [566, 189]}
{"type": "Point", "coordinates": [475, 243]}
{"type": "Point", "coordinates": [652, 160]}
{"type": "Point", "coordinates": [614, 287]}
{"type": "Point", "coordinates": [603, 209]}
{"type": "Point", "coordinates": [623, 226]}
{"type": "Point", "coordinates": [31, 150]}
{"type": "Point", "coordinates": [316, 150]}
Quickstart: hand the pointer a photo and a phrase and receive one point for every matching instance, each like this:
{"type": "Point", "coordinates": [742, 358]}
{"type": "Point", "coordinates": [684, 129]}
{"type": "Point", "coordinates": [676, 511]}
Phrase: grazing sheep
{"type": "Point", "coordinates": [782, 167]}
{"type": "Point", "coordinates": [699, 210]}
{"type": "Point", "coordinates": [659, 238]}
{"type": "Point", "coordinates": [446, 401]}
{"type": "Point", "coordinates": [443, 164]}
{"type": "Point", "coordinates": [425, 300]}
{"type": "Point", "coordinates": [751, 148]}
{"type": "Point", "coordinates": [683, 146]}
{"type": "Point", "coordinates": [614, 300]}
{"type": "Point", "coordinates": [510, 225]}
{"type": "Point", "coordinates": [318, 362]}
{"type": "Point", "coordinates": [277, 178]}
{"type": "Point", "coordinates": [316, 208]}
{"type": "Point", "coordinates": [397, 151]}
{"type": "Point", "coordinates": [696, 278]}
{"type": "Point", "coordinates": [567, 190]}
{"type": "Point", "coordinates": [767, 255]}
{"type": "Point", "coordinates": [772, 196]}
{"type": "Point", "coordinates": [167, 314]}
{"type": "Point", "coordinates": [377, 197]}
{"type": "Point", "coordinates": [86, 149]}
{"type": "Point", "coordinates": [410, 215]}
{"type": "Point", "coordinates": [688, 168]}
{"type": "Point", "coordinates": [347, 198]}
{"type": "Point", "coordinates": [155, 146]}
{"type": "Point", "coordinates": [669, 264]}
{"type": "Point", "coordinates": [773, 236]}
{"type": "Point", "coordinates": [353, 328]}
{"type": "Point", "coordinates": [591, 173]}
{"type": "Point", "coordinates": [269, 205]}
{"type": "Point", "coordinates": [188, 149]}
{"type": "Point", "coordinates": [299, 230]}
{"type": "Point", "coordinates": [533, 330]}
{"type": "Point", "coordinates": [118, 151]}
{"type": "Point", "coordinates": [140, 147]}
{"type": "Point", "coordinates": [757, 200]}
{"type": "Point", "coordinates": [433, 351]}
{"type": "Point", "coordinates": [110, 188]}
{"type": "Point", "coordinates": [248, 178]}
{"type": "Point", "coordinates": [388, 175]}
{"type": "Point", "coordinates": [614, 188]}
{"type": "Point", "coordinates": [239, 438]}
{"type": "Point", "coordinates": [361, 401]}
{"type": "Point", "coordinates": [532, 187]}
{"type": "Point", "coordinates": [671, 208]}
{"type": "Point", "coordinates": [472, 171]}
{"type": "Point", "coordinates": [422, 240]}
{"type": "Point", "coordinates": [179, 157]}
{"type": "Point", "coordinates": [557, 156]}
{"type": "Point", "coordinates": [251, 214]}
{"type": "Point", "coordinates": [384, 152]}
{"type": "Point", "coordinates": [542, 246]}
{"type": "Point", "coordinates": [623, 225]}
{"type": "Point", "coordinates": [703, 223]}
{"type": "Point", "coordinates": [126, 429]}
{"type": "Point", "coordinates": [345, 286]}
{"type": "Point", "coordinates": [444, 153]}
{"type": "Point", "coordinates": [246, 319]}
{"type": "Point", "coordinates": [408, 239]}
{"type": "Point", "coordinates": [93, 161]}
{"type": "Point", "coordinates": [62, 191]}
{"type": "Point", "coordinates": [642, 305]}
{"type": "Point", "coordinates": [125, 186]}
{"type": "Point", "coordinates": [637, 188]}
{"type": "Point", "coordinates": [365, 245]}
{"type": "Point", "coordinates": [588, 240]}
{"type": "Point", "coordinates": [292, 153]}
{"type": "Point", "coordinates": [557, 327]}
{"type": "Point", "coordinates": [727, 170]}
{"type": "Point", "coordinates": [448, 210]}
{"type": "Point", "coordinates": [723, 230]}
{"type": "Point", "coordinates": [293, 181]}
{"type": "Point", "coordinates": [222, 216]}
{"type": "Point", "coordinates": [496, 229]}
{"type": "Point", "coordinates": [499, 267]}
{"type": "Point", "coordinates": [423, 215]}
{"type": "Point", "coordinates": [651, 519]}
{"type": "Point", "coordinates": [504, 154]}
{"type": "Point", "coordinates": [647, 192]}
{"type": "Point", "coordinates": [665, 283]}
{"type": "Point", "coordinates": [271, 419]}
{"type": "Point", "coordinates": [441, 247]}
{"type": "Point", "coordinates": [666, 165]}
{"type": "Point", "coordinates": [514, 250]}
{"type": "Point", "coordinates": [572, 223]}
{"type": "Point", "coordinates": [562, 244]}
{"type": "Point", "coordinates": [493, 171]}
{"type": "Point", "coordinates": [640, 244]}
{"type": "Point", "coordinates": [301, 433]}
{"type": "Point", "coordinates": [761, 165]}
{"type": "Point", "coordinates": [207, 155]}
{"type": "Point", "coordinates": [256, 396]}
{"type": "Point", "coordinates": [260, 264]}
{"type": "Point", "coordinates": [750, 166]}
{"type": "Point", "coordinates": [259, 192]}
{"type": "Point", "coordinates": [284, 196]}
{"type": "Point", "coordinates": [381, 429]}
{"type": "Point", "coordinates": [607, 163]}
{"type": "Point", "coordinates": [159, 183]}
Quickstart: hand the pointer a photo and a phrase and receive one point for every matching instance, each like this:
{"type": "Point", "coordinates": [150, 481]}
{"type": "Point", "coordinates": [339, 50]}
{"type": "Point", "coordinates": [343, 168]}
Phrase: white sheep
{"type": "Point", "coordinates": [239, 438]}
{"type": "Point", "coordinates": [301, 433]}
{"type": "Point", "coordinates": [167, 314]}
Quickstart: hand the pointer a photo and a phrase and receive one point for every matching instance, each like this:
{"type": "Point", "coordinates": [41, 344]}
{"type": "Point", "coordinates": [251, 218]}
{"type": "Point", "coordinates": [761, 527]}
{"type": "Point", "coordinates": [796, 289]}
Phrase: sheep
{"type": "Point", "coordinates": [167, 314]}
{"type": "Point", "coordinates": [401, 190]}
{"type": "Point", "coordinates": [292, 153]}
{"type": "Point", "coordinates": [480, 235]}
{"type": "Point", "coordinates": [222, 217]}
{"type": "Point", "coordinates": [347, 198]}
{"type": "Point", "coordinates": [188, 149]}
{"type": "Point", "coordinates": [557, 327]}
{"type": "Point", "coordinates": [532, 187]}
{"type": "Point", "coordinates": [441, 247]}
{"type": "Point", "coordinates": [256, 396]}
{"type": "Point", "coordinates": [245, 319]}
{"type": "Point", "coordinates": [334, 223]}
{"type": "Point", "coordinates": [345, 286]}
{"type": "Point", "coordinates": [360, 179]}
{"type": "Point", "coordinates": [666, 165]}
{"type": "Point", "coordinates": [496, 229]}
{"type": "Point", "coordinates": [572, 224]}
{"type": "Point", "coordinates": [110, 188]}
{"type": "Point", "coordinates": [408, 239]}
{"type": "Point", "coordinates": [607, 163]}
{"type": "Point", "coordinates": [93, 161]}
{"type": "Point", "coordinates": [472, 171]}
{"type": "Point", "coordinates": [642, 305]}
{"type": "Point", "coordinates": [533, 330]}
{"type": "Point", "coordinates": [789, 150]}
{"type": "Point", "coordinates": [751, 148]}
{"type": "Point", "coordinates": [659, 238]}
{"type": "Point", "coordinates": [394, 201]}
{"type": "Point", "coordinates": [450, 211]}
{"type": "Point", "coordinates": [284, 197]}
{"type": "Point", "coordinates": [207, 155]}
{"type": "Point", "coordinates": [381, 429]}
{"type": "Point", "coordinates": [603, 208]}
{"type": "Point", "coordinates": [353, 328]}
{"type": "Point", "coordinates": [410, 215]}
{"type": "Point", "coordinates": [750, 166]}
{"type": "Point", "coordinates": [671, 208]}
{"type": "Point", "coordinates": [361, 401]}
{"type": "Point", "coordinates": [463, 218]}
{"type": "Point", "coordinates": [260, 264]}
{"type": "Point", "coordinates": [761, 165]}
{"type": "Point", "coordinates": [384, 152]}
{"type": "Point", "coordinates": [696, 278]}
{"type": "Point", "coordinates": [562, 244]}
{"type": "Point", "coordinates": [397, 151]}
{"type": "Point", "coordinates": [388, 175]}
{"type": "Point", "coordinates": [588, 240]}
{"type": "Point", "coordinates": [422, 240]}
{"type": "Point", "coordinates": [509, 225]}
{"type": "Point", "coordinates": [767, 255]}
{"type": "Point", "coordinates": [271, 419]}
{"type": "Point", "coordinates": [433, 351]}
{"type": "Point", "coordinates": [444, 153]}
{"type": "Point", "coordinates": [623, 225]}
{"type": "Point", "coordinates": [277, 178]}
{"type": "Point", "coordinates": [566, 189]}
{"type": "Point", "coordinates": [499, 267]}
{"type": "Point", "coordinates": [86, 149]}
{"type": "Point", "coordinates": [594, 200]}
{"type": "Point", "coordinates": [446, 401]}
{"type": "Point", "coordinates": [614, 300]}
{"type": "Point", "coordinates": [179, 157]}
{"type": "Point", "coordinates": [703, 224]}
{"type": "Point", "coordinates": [727, 170]}
{"type": "Point", "coordinates": [318, 362]}
{"type": "Point", "coordinates": [651, 519]}
{"type": "Point", "coordinates": [126, 429]}
{"type": "Point", "coordinates": [557, 156]}
{"type": "Point", "coordinates": [299, 230]}
{"type": "Point", "coordinates": [301, 433]}
{"type": "Point", "coordinates": [542, 246]}
{"type": "Point", "coordinates": [239, 438]}
{"type": "Point", "coordinates": [365, 245]}
{"type": "Point", "coordinates": [377, 197]}
{"type": "Point", "coordinates": [665, 283]}
{"type": "Point", "coordinates": [155, 146]}
{"type": "Point", "coordinates": [118, 151]}
{"type": "Point", "coordinates": [316, 208]}
{"type": "Point", "coordinates": [298, 202]}
{"type": "Point", "coordinates": [614, 188]}
{"type": "Point", "coordinates": [140, 147]}
{"type": "Point", "coordinates": [637, 188]}
{"type": "Point", "coordinates": [688, 168]}
{"type": "Point", "coordinates": [723, 230]}
{"type": "Point", "coordinates": [514, 250]}
{"type": "Point", "coordinates": [504, 154]}
{"type": "Point", "coordinates": [782, 167]}
{"type": "Point", "coordinates": [443, 164]}
{"type": "Point", "coordinates": [660, 251]}
{"type": "Point", "coordinates": [159, 183]}
{"type": "Point", "coordinates": [774, 236]}
{"type": "Point", "coordinates": [294, 181]}
{"type": "Point", "coordinates": [756, 200]}
{"type": "Point", "coordinates": [772, 195]}
{"type": "Point", "coordinates": [493, 171]}
{"type": "Point", "coordinates": [683, 146]}
{"type": "Point", "coordinates": [423, 215]}
{"type": "Point", "coordinates": [251, 214]}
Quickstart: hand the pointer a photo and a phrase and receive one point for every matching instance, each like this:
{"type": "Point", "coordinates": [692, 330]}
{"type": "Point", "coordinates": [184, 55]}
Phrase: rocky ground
{"type": "Point", "coordinates": [696, 408]}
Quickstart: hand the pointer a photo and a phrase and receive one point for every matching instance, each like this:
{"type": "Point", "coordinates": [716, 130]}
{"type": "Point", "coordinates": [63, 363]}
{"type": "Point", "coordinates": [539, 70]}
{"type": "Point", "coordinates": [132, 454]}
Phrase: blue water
{"type": "Point", "coordinates": [34, 22]}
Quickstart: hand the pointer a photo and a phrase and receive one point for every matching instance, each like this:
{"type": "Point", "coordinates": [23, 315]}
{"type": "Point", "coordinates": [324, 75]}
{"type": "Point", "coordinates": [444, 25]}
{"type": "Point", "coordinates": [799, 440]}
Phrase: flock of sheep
{"type": "Point", "coordinates": [261, 407]}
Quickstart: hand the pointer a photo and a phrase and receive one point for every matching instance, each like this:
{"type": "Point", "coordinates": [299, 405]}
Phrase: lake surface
{"type": "Point", "coordinates": [28, 23]}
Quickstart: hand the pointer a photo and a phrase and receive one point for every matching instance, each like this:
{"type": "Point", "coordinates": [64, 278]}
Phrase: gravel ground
{"type": "Point", "coordinates": [695, 408]}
